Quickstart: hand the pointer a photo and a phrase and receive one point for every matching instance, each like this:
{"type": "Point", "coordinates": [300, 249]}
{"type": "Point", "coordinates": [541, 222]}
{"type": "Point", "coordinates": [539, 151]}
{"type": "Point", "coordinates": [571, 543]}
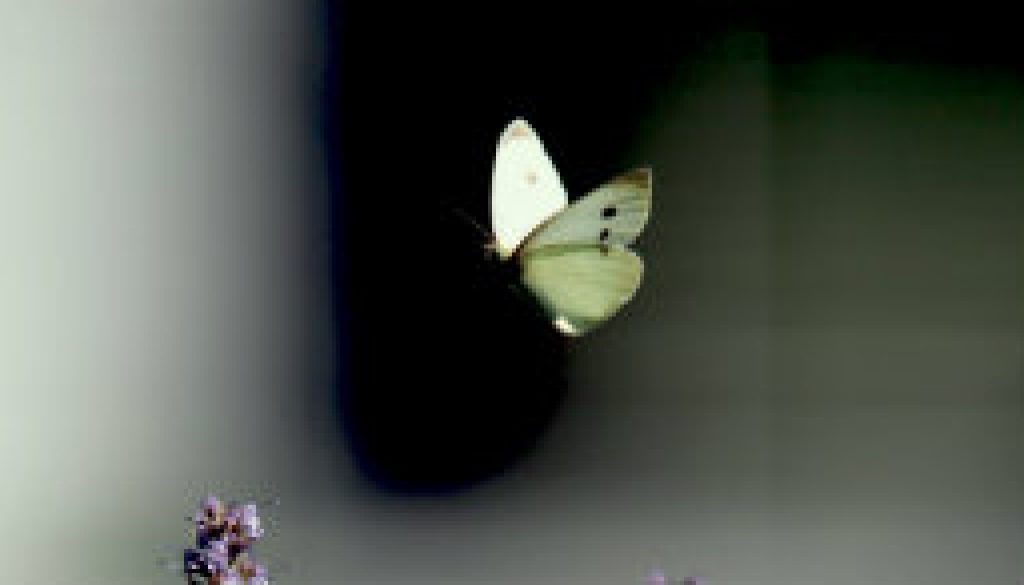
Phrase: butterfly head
{"type": "Point", "coordinates": [494, 250]}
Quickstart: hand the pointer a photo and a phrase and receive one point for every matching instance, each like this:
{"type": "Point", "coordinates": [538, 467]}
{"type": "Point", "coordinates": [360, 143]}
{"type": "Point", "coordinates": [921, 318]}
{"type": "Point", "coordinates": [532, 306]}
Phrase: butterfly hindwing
{"type": "Point", "coordinates": [613, 214]}
{"type": "Point", "coordinates": [525, 187]}
{"type": "Point", "coordinates": [581, 285]}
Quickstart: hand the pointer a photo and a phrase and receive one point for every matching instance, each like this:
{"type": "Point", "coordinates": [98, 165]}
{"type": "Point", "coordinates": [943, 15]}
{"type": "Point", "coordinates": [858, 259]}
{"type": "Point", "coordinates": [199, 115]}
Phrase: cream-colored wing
{"type": "Point", "coordinates": [613, 214]}
{"type": "Point", "coordinates": [525, 187]}
{"type": "Point", "coordinates": [581, 285]}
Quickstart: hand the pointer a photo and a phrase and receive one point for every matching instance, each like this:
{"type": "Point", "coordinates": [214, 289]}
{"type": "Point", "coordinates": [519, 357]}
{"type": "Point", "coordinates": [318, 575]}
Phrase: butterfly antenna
{"type": "Point", "coordinates": [471, 221]}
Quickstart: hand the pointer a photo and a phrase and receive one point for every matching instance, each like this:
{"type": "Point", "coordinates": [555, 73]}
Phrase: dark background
{"type": "Point", "coordinates": [821, 377]}
{"type": "Point", "coordinates": [454, 375]}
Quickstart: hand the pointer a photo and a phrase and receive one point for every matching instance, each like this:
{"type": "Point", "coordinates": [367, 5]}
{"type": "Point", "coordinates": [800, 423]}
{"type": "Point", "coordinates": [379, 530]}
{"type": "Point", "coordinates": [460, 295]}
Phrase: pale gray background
{"type": "Point", "coordinates": [820, 381]}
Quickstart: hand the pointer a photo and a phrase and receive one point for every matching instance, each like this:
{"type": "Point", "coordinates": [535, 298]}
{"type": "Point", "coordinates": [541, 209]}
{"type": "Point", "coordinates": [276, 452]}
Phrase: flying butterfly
{"type": "Point", "coordinates": [574, 258]}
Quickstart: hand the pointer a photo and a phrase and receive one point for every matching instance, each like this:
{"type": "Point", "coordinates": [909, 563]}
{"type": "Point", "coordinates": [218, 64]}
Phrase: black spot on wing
{"type": "Point", "coordinates": [609, 212]}
{"type": "Point", "coordinates": [604, 235]}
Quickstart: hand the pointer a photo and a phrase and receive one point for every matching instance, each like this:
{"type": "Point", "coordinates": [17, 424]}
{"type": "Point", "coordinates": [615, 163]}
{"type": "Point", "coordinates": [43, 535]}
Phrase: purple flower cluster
{"type": "Point", "coordinates": [657, 577]}
{"type": "Point", "coordinates": [223, 536]}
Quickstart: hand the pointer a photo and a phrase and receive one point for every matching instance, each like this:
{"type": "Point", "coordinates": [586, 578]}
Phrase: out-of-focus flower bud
{"type": "Point", "coordinates": [656, 577]}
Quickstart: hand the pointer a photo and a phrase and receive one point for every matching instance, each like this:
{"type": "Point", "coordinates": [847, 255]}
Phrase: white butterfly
{"type": "Point", "coordinates": [574, 258]}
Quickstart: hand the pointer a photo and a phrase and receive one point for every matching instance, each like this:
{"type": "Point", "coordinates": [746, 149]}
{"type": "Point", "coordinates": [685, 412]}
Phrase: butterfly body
{"type": "Point", "coordinates": [575, 258]}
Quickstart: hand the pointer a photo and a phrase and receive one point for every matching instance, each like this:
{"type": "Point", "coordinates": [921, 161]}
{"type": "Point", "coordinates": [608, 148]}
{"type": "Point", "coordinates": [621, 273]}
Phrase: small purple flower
{"type": "Point", "coordinates": [209, 510]}
{"type": "Point", "coordinates": [223, 536]}
{"type": "Point", "coordinates": [218, 547]}
{"type": "Point", "coordinates": [217, 556]}
{"type": "Point", "coordinates": [259, 575]}
{"type": "Point", "coordinates": [656, 577]}
{"type": "Point", "coordinates": [231, 577]}
{"type": "Point", "coordinates": [250, 522]}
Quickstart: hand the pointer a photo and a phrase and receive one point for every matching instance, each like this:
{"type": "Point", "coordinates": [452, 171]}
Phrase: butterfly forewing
{"type": "Point", "coordinates": [613, 214]}
{"type": "Point", "coordinates": [525, 187]}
